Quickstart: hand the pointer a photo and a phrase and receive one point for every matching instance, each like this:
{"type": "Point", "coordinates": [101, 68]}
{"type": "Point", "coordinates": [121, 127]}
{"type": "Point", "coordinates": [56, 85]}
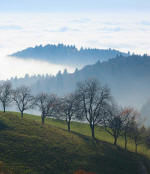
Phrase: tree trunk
{"type": "Point", "coordinates": [4, 108]}
{"type": "Point", "coordinates": [43, 119]}
{"type": "Point", "coordinates": [136, 148]}
{"type": "Point", "coordinates": [125, 139]}
{"type": "Point", "coordinates": [115, 140]}
{"type": "Point", "coordinates": [22, 115]}
{"type": "Point", "coordinates": [68, 123]}
{"type": "Point", "coordinates": [93, 131]}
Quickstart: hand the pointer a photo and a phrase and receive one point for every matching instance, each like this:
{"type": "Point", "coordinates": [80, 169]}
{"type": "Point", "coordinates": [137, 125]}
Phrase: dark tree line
{"type": "Point", "coordinates": [69, 54]}
{"type": "Point", "coordinates": [90, 102]}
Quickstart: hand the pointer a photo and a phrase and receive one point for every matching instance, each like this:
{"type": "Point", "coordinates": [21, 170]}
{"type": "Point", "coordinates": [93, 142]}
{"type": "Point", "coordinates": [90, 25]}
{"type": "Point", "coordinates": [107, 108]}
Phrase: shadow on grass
{"type": "Point", "coordinates": [3, 126]}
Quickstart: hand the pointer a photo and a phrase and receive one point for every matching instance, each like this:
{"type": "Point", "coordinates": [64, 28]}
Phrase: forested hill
{"type": "Point", "coordinates": [62, 54]}
{"type": "Point", "coordinates": [127, 77]}
{"type": "Point", "coordinates": [145, 110]}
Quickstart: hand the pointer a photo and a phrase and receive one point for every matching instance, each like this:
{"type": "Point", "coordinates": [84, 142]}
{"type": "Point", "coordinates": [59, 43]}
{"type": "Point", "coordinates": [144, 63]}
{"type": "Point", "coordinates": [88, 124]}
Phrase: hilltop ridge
{"type": "Point", "coordinates": [69, 55]}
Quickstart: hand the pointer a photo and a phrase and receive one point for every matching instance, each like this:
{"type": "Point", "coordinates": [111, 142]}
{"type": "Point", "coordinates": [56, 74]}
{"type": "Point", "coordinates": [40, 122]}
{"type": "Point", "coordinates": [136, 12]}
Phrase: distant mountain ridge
{"type": "Point", "coordinates": [64, 54]}
{"type": "Point", "coordinates": [127, 77]}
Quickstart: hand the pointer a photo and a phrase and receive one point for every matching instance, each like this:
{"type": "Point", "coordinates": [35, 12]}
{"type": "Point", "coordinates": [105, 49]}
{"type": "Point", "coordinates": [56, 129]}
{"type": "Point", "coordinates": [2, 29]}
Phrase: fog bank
{"type": "Point", "coordinates": [11, 67]}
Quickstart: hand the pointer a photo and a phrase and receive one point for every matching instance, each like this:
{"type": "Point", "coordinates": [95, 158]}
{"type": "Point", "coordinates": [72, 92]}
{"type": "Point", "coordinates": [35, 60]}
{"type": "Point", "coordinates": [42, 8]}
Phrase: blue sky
{"type": "Point", "coordinates": [73, 5]}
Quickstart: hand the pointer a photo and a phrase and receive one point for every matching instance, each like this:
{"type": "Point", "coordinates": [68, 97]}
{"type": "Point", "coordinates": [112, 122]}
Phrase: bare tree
{"type": "Point", "coordinates": [128, 118]}
{"type": "Point", "coordinates": [92, 99]}
{"type": "Point", "coordinates": [137, 133]}
{"type": "Point", "coordinates": [69, 109]}
{"type": "Point", "coordinates": [113, 122]}
{"type": "Point", "coordinates": [147, 137]}
{"type": "Point", "coordinates": [5, 94]}
{"type": "Point", "coordinates": [47, 105]}
{"type": "Point", "coordinates": [23, 99]}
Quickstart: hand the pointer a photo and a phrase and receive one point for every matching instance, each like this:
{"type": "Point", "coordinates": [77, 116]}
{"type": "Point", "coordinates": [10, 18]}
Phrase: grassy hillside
{"type": "Point", "coordinates": [27, 147]}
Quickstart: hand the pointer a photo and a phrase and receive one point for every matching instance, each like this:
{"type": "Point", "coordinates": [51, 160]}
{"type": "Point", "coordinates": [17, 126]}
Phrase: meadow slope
{"type": "Point", "coordinates": [27, 147]}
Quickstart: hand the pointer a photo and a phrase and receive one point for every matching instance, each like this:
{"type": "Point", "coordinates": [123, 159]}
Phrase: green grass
{"type": "Point", "coordinates": [100, 133]}
{"type": "Point", "coordinates": [27, 147]}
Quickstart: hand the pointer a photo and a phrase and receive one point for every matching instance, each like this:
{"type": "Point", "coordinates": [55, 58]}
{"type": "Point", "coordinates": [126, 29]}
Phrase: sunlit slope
{"type": "Point", "coordinates": [28, 147]}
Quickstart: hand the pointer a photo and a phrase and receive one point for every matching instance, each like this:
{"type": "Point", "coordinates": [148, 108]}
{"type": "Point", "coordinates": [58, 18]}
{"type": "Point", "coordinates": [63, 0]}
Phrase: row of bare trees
{"type": "Point", "coordinates": [21, 97]}
{"type": "Point", "coordinates": [91, 102]}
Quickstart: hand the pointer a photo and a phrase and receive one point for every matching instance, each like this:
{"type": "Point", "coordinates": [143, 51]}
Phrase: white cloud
{"type": "Point", "coordinates": [64, 29]}
{"type": "Point", "coordinates": [19, 31]}
{"type": "Point", "coordinates": [110, 29]}
{"type": "Point", "coordinates": [81, 20]}
{"type": "Point", "coordinates": [10, 27]}
{"type": "Point", "coordinates": [145, 23]}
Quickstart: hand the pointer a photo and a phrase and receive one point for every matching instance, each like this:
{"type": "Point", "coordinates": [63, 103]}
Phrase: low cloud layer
{"type": "Point", "coordinates": [11, 67]}
{"type": "Point", "coordinates": [10, 27]}
{"type": "Point", "coordinates": [125, 32]}
{"type": "Point", "coordinates": [19, 31]}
